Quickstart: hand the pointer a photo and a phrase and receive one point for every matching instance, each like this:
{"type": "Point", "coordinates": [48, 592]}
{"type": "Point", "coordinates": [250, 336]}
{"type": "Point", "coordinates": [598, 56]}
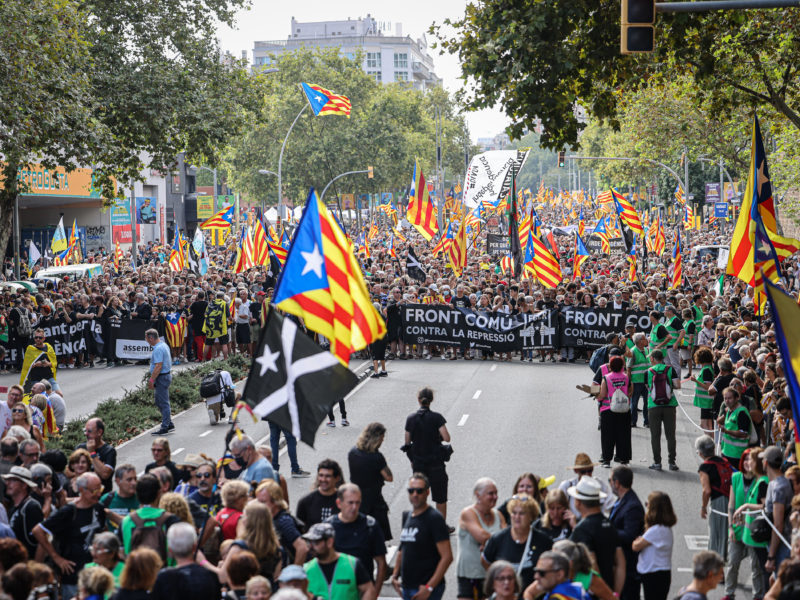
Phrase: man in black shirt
{"type": "Point", "coordinates": [26, 513]}
{"type": "Point", "coordinates": [320, 504]}
{"type": "Point", "coordinates": [357, 534]}
{"type": "Point", "coordinates": [72, 527]}
{"type": "Point", "coordinates": [425, 552]}
{"type": "Point", "coordinates": [460, 301]}
{"type": "Point", "coordinates": [186, 579]}
{"type": "Point", "coordinates": [104, 456]}
{"type": "Point", "coordinates": [597, 532]}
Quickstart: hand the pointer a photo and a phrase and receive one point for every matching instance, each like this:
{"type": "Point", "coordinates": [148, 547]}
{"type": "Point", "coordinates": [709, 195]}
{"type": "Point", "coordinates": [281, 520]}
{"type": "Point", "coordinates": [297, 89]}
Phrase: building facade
{"type": "Point", "coordinates": [387, 55]}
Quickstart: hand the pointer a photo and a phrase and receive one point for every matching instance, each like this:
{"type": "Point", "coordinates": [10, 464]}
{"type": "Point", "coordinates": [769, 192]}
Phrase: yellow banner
{"type": "Point", "coordinates": [42, 181]}
{"type": "Point", "coordinates": [205, 207]}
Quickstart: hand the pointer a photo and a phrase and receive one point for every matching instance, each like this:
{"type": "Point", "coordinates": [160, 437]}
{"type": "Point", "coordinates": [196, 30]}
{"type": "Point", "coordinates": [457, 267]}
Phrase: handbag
{"type": "Point", "coordinates": [446, 451]}
{"type": "Point", "coordinates": [760, 530]}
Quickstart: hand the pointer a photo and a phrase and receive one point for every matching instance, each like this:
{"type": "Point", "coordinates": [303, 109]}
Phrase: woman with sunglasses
{"type": "Point", "coordinates": [21, 415]}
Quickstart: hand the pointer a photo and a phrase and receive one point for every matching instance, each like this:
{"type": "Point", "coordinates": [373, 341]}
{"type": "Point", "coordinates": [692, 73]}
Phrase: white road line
{"type": "Point", "coordinates": [695, 543]}
{"type": "Point", "coordinates": [684, 569]}
{"type": "Point", "coordinates": [205, 433]}
{"type": "Point", "coordinates": [476, 395]}
{"type": "Point", "coordinates": [463, 420]}
{"type": "Point", "coordinates": [178, 451]}
{"type": "Point", "coordinates": [493, 367]}
{"type": "Point", "coordinates": [391, 552]}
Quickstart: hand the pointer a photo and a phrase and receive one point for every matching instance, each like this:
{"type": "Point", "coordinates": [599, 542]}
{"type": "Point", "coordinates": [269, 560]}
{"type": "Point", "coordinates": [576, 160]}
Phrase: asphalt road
{"type": "Point", "coordinates": [504, 419]}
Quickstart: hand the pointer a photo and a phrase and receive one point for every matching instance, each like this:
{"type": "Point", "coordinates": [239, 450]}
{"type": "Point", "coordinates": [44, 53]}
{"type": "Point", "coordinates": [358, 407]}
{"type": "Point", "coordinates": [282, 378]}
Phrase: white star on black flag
{"type": "Point", "coordinates": [293, 382]}
{"type": "Point", "coordinates": [413, 268]}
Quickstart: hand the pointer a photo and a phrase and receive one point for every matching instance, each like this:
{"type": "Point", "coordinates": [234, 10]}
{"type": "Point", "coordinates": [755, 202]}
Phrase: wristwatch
{"type": "Point", "coordinates": [428, 587]}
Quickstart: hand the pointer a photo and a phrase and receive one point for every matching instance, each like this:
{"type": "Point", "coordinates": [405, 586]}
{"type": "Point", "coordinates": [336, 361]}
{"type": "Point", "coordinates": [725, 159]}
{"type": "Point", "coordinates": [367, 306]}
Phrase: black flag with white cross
{"type": "Point", "coordinates": [413, 268]}
{"type": "Point", "coordinates": [293, 382]}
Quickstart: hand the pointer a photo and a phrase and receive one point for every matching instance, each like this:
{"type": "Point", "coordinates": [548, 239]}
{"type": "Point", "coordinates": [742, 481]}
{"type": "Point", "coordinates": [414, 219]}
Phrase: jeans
{"type": "Point", "coordinates": [436, 594]}
{"type": "Point", "coordinates": [639, 391]}
{"type": "Point", "coordinates": [54, 384]}
{"type": "Point", "coordinates": [665, 415]}
{"type": "Point", "coordinates": [162, 384]}
{"type": "Point", "coordinates": [291, 446]}
{"type": "Point", "coordinates": [737, 551]}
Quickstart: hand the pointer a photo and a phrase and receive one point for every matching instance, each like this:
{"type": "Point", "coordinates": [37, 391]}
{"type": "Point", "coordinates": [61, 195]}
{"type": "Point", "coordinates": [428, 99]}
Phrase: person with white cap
{"type": "Point", "coordinates": [26, 513]}
{"type": "Point", "coordinates": [597, 532]}
{"type": "Point", "coordinates": [293, 577]}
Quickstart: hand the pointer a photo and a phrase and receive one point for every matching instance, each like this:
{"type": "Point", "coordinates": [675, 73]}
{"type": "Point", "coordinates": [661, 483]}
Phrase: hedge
{"type": "Point", "coordinates": [136, 412]}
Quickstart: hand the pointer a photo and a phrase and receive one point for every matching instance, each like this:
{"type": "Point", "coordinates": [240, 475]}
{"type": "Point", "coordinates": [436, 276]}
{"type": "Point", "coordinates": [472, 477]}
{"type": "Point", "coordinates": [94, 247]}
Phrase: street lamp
{"type": "Point", "coordinates": [266, 172]}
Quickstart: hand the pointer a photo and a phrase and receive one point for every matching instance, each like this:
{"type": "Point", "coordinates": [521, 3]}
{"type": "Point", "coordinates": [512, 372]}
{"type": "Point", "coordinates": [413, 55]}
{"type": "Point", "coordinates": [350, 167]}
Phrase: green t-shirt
{"type": "Point", "coordinates": [145, 513]}
{"type": "Point", "coordinates": [670, 377]}
{"type": "Point", "coordinates": [119, 505]}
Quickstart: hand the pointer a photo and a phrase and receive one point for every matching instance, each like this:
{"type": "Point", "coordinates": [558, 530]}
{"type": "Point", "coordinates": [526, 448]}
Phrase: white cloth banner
{"type": "Point", "coordinates": [488, 175]}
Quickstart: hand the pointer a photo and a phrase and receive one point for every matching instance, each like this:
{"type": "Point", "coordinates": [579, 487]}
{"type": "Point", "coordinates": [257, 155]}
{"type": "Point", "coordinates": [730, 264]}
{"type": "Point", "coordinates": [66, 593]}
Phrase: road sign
{"type": "Point", "coordinates": [720, 210]}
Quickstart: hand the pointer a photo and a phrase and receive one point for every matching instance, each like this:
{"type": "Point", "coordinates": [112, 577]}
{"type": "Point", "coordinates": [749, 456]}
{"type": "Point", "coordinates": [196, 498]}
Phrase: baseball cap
{"type": "Point", "coordinates": [292, 573]}
{"type": "Point", "coordinates": [773, 456]}
{"type": "Point", "coordinates": [320, 531]}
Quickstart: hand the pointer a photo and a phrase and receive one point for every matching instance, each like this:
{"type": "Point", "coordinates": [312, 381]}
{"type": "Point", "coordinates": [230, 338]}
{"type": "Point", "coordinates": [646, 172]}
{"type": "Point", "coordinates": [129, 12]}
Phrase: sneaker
{"type": "Point", "coordinates": [212, 418]}
{"type": "Point", "coordinates": [655, 466]}
{"type": "Point", "coordinates": [451, 529]}
{"type": "Point", "coordinates": [70, 366]}
{"type": "Point", "coordinates": [177, 361]}
{"type": "Point", "coordinates": [375, 375]}
{"type": "Point", "coordinates": [331, 424]}
{"type": "Point", "coordinates": [673, 467]}
{"type": "Point", "coordinates": [427, 357]}
{"type": "Point", "coordinates": [300, 473]}
{"type": "Point", "coordinates": [606, 464]}
{"type": "Point", "coordinates": [445, 358]}
{"type": "Point", "coordinates": [345, 423]}
{"type": "Point", "coordinates": [384, 374]}
{"type": "Point", "coordinates": [160, 431]}
{"type": "Point", "coordinates": [171, 427]}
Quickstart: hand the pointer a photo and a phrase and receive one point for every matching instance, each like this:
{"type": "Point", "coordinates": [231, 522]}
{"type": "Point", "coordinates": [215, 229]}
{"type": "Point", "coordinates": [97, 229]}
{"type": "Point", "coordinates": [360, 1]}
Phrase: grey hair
{"type": "Point", "coordinates": [151, 333]}
{"type": "Point", "coordinates": [482, 484]}
{"type": "Point", "coordinates": [705, 563]}
{"type": "Point", "coordinates": [18, 432]}
{"type": "Point", "coordinates": [26, 443]}
{"type": "Point", "coordinates": [107, 541]}
{"type": "Point", "coordinates": [578, 554]}
{"type": "Point", "coordinates": [704, 446]}
{"type": "Point", "coordinates": [181, 539]}
{"type": "Point", "coordinates": [494, 570]}
{"type": "Point", "coordinates": [560, 561]}
{"type": "Point", "coordinates": [639, 336]}
{"type": "Point", "coordinates": [241, 443]}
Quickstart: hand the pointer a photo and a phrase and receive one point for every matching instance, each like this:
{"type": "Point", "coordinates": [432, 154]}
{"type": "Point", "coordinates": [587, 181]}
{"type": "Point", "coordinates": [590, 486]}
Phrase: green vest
{"type": "Point", "coordinates": [343, 587]}
{"type": "Point", "coordinates": [702, 398]}
{"type": "Point", "coordinates": [654, 340]}
{"type": "Point", "coordinates": [672, 330]}
{"type": "Point", "coordinates": [698, 316]}
{"type": "Point", "coordinates": [731, 446]}
{"type": "Point", "coordinates": [739, 498]}
{"type": "Point", "coordinates": [658, 369]}
{"type": "Point", "coordinates": [752, 498]}
{"type": "Point", "coordinates": [688, 338]}
{"type": "Point", "coordinates": [639, 363]}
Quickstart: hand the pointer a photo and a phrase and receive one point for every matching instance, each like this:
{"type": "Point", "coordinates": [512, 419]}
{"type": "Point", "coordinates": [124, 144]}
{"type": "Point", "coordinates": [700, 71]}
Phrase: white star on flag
{"type": "Point", "coordinates": [762, 177]}
{"type": "Point", "coordinates": [268, 361]}
{"type": "Point", "coordinates": [314, 262]}
{"type": "Point", "coordinates": [294, 370]}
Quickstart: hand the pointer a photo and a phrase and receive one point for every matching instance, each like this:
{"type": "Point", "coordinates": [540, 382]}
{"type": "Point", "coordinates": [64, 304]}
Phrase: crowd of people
{"type": "Point", "coordinates": [81, 525]}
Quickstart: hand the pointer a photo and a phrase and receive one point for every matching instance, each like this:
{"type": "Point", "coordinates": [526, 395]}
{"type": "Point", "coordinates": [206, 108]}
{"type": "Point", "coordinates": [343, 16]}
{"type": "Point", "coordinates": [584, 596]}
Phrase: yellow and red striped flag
{"type": "Point", "coordinates": [260, 245]}
{"type": "Point", "coordinates": [421, 211]}
{"type": "Point", "coordinates": [324, 102]}
{"type": "Point", "coordinates": [457, 252]}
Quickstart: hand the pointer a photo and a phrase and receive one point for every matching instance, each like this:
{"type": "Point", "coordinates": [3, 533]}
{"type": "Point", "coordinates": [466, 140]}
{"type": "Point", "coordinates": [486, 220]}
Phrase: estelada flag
{"type": "Point", "coordinates": [421, 211]}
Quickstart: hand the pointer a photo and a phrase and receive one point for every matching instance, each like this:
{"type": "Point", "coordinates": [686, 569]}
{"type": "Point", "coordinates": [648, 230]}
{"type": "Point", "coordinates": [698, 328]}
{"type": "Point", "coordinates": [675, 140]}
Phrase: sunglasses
{"type": "Point", "coordinates": [421, 490]}
{"type": "Point", "coordinates": [18, 410]}
{"type": "Point", "coordinates": [543, 572]}
{"type": "Point", "coordinates": [205, 475]}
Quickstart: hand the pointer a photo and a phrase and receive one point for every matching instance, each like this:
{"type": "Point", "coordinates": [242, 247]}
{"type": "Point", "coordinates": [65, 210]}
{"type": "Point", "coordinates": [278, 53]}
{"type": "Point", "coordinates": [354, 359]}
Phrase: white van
{"type": "Point", "coordinates": [79, 271]}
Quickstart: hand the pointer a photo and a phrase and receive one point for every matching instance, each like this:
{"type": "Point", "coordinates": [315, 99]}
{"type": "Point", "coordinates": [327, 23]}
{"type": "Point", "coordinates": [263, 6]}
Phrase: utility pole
{"type": "Point", "coordinates": [686, 191]}
{"type": "Point", "coordinates": [133, 225]}
{"type": "Point", "coordinates": [721, 184]}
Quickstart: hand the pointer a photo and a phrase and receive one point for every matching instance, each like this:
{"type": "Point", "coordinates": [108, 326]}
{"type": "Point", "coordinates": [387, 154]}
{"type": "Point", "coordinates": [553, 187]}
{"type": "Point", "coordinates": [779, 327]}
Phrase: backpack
{"type": "Point", "coordinates": [620, 403]}
{"type": "Point", "coordinates": [24, 328]}
{"type": "Point", "coordinates": [211, 385]}
{"type": "Point", "coordinates": [150, 534]}
{"type": "Point", "coordinates": [724, 472]}
{"type": "Point", "coordinates": [661, 392]}
{"type": "Point", "coordinates": [599, 358]}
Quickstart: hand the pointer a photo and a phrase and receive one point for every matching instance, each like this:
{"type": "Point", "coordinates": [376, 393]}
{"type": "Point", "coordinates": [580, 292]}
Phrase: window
{"type": "Point", "coordinates": [401, 75]}
{"type": "Point", "coordinates": [400, 61]}
{"type": "Point", "coordinates": [373, 60]}
{"type": "Point", "coordinates": [376, 75]}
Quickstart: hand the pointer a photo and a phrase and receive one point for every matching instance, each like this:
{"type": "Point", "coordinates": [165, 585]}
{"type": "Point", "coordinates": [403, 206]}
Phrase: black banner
{"type": "Point", "coordinates": [497, 244]}
{"type": "Point", "coordinates": [499, 332]}
{"type": "Point", "coordinates": [593, 244]}
{"type": "Point", "coordinates": [65, 338]}
{"type": "Point", "coordinates": [571, 326]}
{"type": "Point", "coordinates": [584, 327]}
{"type": "Point", "coordinates": [130, 343]}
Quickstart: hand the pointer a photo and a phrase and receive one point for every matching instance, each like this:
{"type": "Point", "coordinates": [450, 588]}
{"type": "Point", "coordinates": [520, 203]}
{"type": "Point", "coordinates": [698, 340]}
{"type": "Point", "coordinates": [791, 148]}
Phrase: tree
{"type": "Point", "coordinates": [543, 59]}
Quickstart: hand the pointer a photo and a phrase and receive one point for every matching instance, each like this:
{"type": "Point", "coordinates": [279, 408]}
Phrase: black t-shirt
{"type": "Point", "coordinates": [418, 541]}
{"type": "Point", "coordinates": [255, 310]}
{"type": "Point", "coordinates": [198, 312]}
{"type": "Point", "coordinates": [561, 532]}
{"type": "Point", "coordinates": [720, 383]}
{"type": "Point", "coordinates": [362, 576]}
{"type": "Point", "coordinates": [177, 474]}
{"type": "Point", "coordinates": [22, 519]}
{"type": "Point", "coordinates": [597, 532]}
{"type": "Point", "coordinates": [108, 456]}
{"type": "Point", "coordinates": [660, 332]}
{"type": "Point", "coordinates": [189, 581]}
{"type": "Point", "coordinates": [713, 475]}
{"type": "Point", "coordinates": [365, 472]}
{"type": "Point", "coordinates": [426, 440]}
{"type": "Point", "coordinates": [73, 529]}
{"type": "Point", "coordinates": [211, 505]}
{"type": "Point", "coordinates": [287, 530]}
{"type": "Point", "coordinates": [315, 508]}
{"type": "Point", "coordinates": [501, 546]}
{"type": "Point", "coordinates": [363, 538]}
{"type": "Point", "coordinates": [462, 302]}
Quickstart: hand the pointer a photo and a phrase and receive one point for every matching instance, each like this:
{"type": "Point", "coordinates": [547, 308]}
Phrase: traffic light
{"type": "Point", "coordinates": [637, 31]}
{"type": "Point", "coordinates": [370, 173]}
{"type": "Point", "coordinates": [562, 159]}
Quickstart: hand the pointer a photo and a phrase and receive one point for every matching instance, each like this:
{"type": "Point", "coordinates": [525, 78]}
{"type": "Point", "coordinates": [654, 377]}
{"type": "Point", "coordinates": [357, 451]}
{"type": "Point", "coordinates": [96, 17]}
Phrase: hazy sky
{"type": "Point", "coordinates": [271, 20]}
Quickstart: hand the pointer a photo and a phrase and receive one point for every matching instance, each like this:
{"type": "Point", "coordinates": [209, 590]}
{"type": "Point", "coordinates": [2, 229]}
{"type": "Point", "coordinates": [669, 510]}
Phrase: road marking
{"type": "Point", "coordinates": [493, 367]}
{"type": "Point", "coordinates": [695, 543]}
{"type": "Point", "coordinates": [178, 451]}
{"type": "Point", "coordinates": [476, 395]}
{"type": "Point", "coordinates": [391, 552]}
{"type": "Point", "coordinates": [685, 570]}
{"type": "Point", "coordinates": [205, 433]}
{"type": "Point", "coordinates": [463, 420]}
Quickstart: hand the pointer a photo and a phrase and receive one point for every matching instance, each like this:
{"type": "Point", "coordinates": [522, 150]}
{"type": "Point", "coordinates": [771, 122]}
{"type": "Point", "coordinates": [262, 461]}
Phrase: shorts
{"type": "Point", "coordinates": [437, 475]}
{"type": "Point", "coordinates": [255, 332]}
{"type": "Point", "coordinates": [686, 354]}
{"type": "Point", "coordinates": [222, 340]}
{"type": "Point", "coordinates": [470, 588]}
{"type": "Point", "coordinates": [707, 413]}
{"type": "Point", "coordinates": [243, 333]}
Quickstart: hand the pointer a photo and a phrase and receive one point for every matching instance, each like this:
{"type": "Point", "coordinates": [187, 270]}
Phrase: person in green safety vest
{"type": "Point", "coordinates": [333, 575]}
{"type": "Point", "coordinates": [674, 327]}
{"type": "Point", "coordinates": [658, 333]}
{"type": "Point", "coordinates": [689, 338]}
{"type": "Point", "coordinates": [734, 425]}
{"type": "Point", "coordinates": [638, 364]}
{"type": "Point", "coordinates": [703, 399]}
{"type": "Point", "coordinates": [748, 490]}
{"type": "Point", "coordinates": [662, 407]}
